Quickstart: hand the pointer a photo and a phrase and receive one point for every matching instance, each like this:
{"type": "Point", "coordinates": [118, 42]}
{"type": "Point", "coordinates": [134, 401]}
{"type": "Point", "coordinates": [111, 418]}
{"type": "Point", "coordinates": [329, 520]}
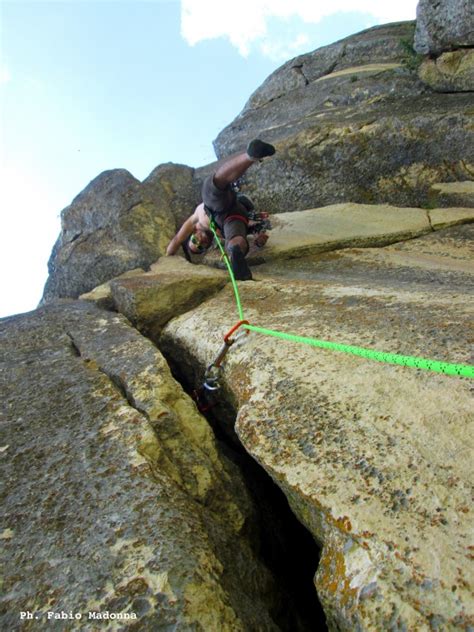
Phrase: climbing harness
{"type": "Point", "coordinates": [259, 221]}
{"type": "Point", "coordinates": [447, 368]}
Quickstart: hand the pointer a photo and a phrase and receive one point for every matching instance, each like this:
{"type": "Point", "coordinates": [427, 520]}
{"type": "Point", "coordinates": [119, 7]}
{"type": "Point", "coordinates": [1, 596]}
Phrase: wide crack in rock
{"type": "Point", "coordinates": [288, 549]}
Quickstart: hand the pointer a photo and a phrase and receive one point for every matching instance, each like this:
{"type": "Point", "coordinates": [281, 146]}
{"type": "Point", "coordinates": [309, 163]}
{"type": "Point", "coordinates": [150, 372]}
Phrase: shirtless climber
{"type": "Point", "coordinates": [230, 215]}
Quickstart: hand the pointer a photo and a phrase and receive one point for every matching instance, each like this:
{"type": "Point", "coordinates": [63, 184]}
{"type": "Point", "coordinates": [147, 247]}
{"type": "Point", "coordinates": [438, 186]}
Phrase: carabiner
{"type": "Point", "coordinates": [213, 371]}
{"type": "Point", "coordinates": [211, 377]}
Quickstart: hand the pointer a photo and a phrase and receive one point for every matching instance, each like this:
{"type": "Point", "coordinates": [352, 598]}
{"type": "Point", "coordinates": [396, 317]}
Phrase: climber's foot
{"type": "Point", "coordinates": [239, 264]}
{"type": "Point", "coordinates": [258, 149]}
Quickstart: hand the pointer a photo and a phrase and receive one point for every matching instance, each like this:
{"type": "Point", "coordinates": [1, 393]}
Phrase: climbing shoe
{"type": "Point", "coordinates": [258, 149]}
{"type": "Point", "coordinates": [239, 264]}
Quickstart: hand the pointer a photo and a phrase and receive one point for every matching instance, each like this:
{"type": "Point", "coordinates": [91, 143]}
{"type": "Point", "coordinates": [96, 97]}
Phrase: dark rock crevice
{"type": "Point", "coordinates": [428, 218]}
{"type": "Point", "coordinates": [299, 70]}
{"type": "Point", "coordinates": [286, 547]}
{"type": "Point", "coordinates": [115, 379]}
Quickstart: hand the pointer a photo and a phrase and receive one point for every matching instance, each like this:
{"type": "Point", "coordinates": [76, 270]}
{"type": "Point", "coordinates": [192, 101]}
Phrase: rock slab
{"type": "Point", "coordinates": [375, 460]}
{"type": "Point", "coordinates": [115, 499]}
{"type": "Point", "coordinates": [352, 225]}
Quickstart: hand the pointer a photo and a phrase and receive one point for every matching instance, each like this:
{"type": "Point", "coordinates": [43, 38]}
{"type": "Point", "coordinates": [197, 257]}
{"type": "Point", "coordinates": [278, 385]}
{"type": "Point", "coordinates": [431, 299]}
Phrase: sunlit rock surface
{"type": "Point", "coordinates": [296, 234]}
{"type": "Point", "coordinates": [115, 497]}
{"type": "Point", "coordinates": [346, 225]}
{"type": "Point", "coordinates": [376, 460]}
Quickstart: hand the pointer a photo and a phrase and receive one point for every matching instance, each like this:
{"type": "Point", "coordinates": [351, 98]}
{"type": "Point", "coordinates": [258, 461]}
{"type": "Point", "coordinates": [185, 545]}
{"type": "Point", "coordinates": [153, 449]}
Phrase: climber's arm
{"type": "Point", "coordinates": [183, 233]}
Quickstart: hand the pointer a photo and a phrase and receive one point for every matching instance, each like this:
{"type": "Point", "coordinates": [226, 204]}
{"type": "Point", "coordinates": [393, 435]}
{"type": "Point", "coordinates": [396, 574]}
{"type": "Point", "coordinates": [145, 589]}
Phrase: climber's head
{"type": "Point", "coordinates": [200, 241]}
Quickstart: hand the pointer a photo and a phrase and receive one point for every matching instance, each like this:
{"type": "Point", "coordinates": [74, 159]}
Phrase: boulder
{"type": "Point", "coordinates": [173, 286]}
{"type": "Point", "coordinates": [352, 122]}
{"type": "Point", "coordinates": [175, 184]}
{"type": "Point", "coordinates": [374, 459]}
{"type": "Point", "coordinates": [443, 26]}
{"type": "Point", "coordinates": [116, 224]}
{"type": "Point", "coordinates": [450, 72]}
{"type": "Point", "coordinates": [116, 500]}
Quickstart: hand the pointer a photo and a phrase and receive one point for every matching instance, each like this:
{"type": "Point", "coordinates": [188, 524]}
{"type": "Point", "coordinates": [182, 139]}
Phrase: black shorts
{"type": "Point", "coordinates": [229, 215]}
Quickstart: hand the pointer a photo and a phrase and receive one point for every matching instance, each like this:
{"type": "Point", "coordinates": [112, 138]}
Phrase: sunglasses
{"type": "Point", "coordinates": [200, 247]}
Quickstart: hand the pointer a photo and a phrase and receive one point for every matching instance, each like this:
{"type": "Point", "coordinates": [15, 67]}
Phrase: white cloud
{"type": "Point", "coordinates": [279, 49]}
{"type": "Point", "coordinates": [246, 22]}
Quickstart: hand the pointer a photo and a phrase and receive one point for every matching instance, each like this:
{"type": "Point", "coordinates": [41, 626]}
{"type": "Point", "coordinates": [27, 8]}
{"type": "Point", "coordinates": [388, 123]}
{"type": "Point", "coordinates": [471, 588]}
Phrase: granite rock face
{"type": "Point", "coordinates": [117, 224]}
{"type": "Point", "coordinates": [116, 498]}
{"type": "Point", "coordinates": [443, 26]}
{"type": "Point", "coordinates": [375, 460]}
{"type": "Point", "coordinates": [352, 122]}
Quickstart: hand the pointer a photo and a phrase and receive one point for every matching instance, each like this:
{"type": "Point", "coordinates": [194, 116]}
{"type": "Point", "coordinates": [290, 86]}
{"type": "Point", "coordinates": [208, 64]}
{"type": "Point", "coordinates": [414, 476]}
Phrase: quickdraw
{"type": "Point", "coordinates": [211, 377]}
{"type": "Point", "coordinates": [213, 372]}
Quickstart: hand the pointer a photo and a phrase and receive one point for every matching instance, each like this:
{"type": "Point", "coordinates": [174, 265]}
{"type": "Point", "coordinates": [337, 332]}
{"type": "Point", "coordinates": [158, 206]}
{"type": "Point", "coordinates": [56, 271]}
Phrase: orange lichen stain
{"type": "Point", "coordinates": [367, 534]}
{"type": "Point", "coordinates": [332, 570]}
{"type": "Point", "coordinates": [344, 524]}
{"type": "Point", "coordinates": [332, 577]}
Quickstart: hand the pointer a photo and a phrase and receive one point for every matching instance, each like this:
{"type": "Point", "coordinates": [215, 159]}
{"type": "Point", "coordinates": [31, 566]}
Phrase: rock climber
{"type": "Point", "coordinates": [222, 204]}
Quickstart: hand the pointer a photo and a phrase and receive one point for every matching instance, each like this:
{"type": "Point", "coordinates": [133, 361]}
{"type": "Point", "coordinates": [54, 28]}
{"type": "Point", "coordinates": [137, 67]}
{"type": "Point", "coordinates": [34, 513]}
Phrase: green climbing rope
{"type": "Point", "coordinates": [448, 368]}
{"type": "Point", "coordinates": [229, 268]}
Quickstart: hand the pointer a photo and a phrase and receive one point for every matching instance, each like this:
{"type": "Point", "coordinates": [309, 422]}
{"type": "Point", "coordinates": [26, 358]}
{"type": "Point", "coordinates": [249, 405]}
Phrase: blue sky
{"type": "Point", "coordinates": [89, 85]}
